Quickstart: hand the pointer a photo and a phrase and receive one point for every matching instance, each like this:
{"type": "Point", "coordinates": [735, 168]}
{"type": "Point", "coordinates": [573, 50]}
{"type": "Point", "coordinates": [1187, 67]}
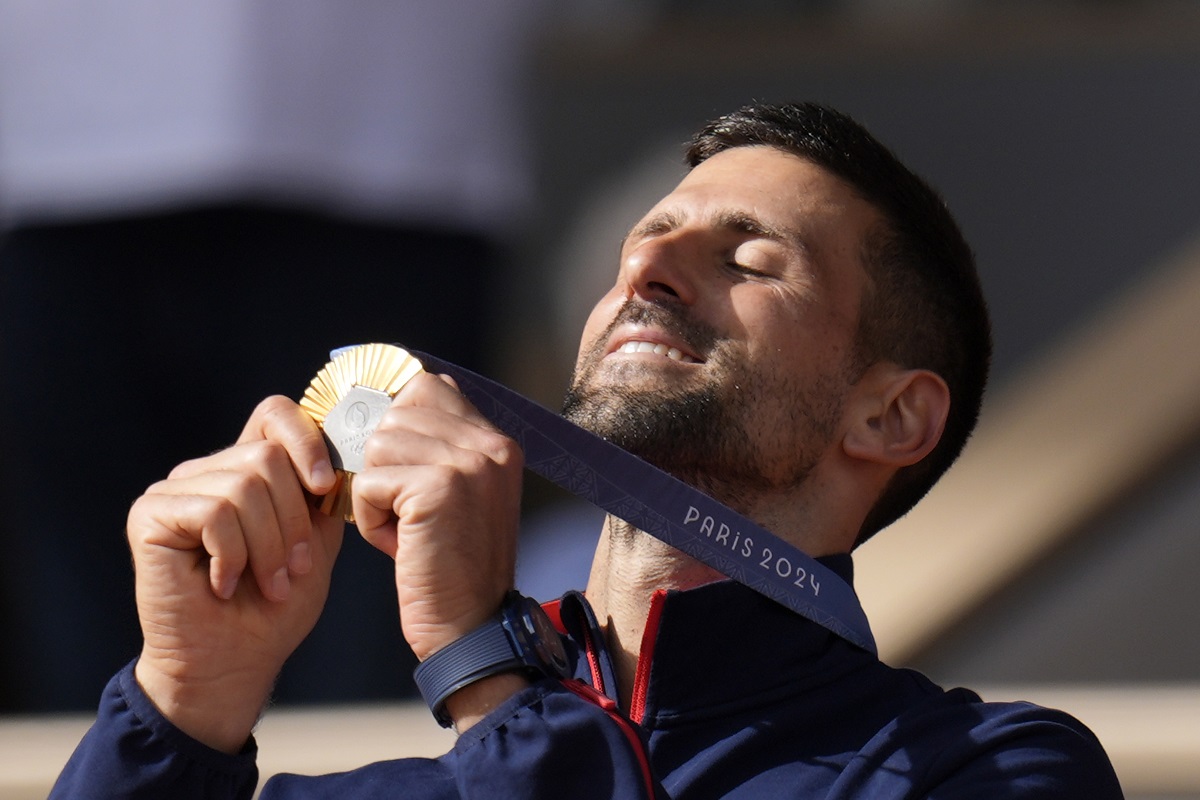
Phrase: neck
{"type": "Point", "coordinates": [630, 566]}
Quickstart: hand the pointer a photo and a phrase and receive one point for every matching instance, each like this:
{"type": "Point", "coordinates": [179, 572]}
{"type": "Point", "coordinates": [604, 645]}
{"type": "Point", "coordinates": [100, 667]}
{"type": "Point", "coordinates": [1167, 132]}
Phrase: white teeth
{"type": "Point", "coordinates": [672, 353]}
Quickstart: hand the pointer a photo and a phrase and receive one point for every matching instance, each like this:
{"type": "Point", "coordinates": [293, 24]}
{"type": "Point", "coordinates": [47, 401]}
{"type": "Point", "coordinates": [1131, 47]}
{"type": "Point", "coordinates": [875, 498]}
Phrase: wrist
{"type": "Point", "coordinates": [473, 702]}
{"type": "Point", "coordinates": [220, 714]}
{"type": "Point", "coordinates": [491, 663]}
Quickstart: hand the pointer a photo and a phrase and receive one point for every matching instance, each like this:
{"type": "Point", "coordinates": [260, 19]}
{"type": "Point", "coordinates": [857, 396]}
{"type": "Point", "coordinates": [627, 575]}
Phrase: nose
{"type": "Point", "coordinates": [662, 268]}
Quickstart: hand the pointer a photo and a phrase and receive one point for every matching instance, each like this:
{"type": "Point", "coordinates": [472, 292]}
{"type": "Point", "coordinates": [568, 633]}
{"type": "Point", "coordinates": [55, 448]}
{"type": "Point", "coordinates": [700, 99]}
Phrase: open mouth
{"type": "Point", "coordinates": [673, 353]}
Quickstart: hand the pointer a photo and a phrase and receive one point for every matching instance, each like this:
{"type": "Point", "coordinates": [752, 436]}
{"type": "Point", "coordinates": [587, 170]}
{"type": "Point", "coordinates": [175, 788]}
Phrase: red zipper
{"type": "Point", "coordinates": [553, 610]}
{"type": "Point", "coordinates": [641, 681]}
{"type": "Point", "coordinates": [593, 658]}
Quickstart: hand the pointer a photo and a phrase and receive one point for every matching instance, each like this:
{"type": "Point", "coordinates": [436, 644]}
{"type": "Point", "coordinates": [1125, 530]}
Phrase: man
{"type": "Point", "coordinates": [797, 329]}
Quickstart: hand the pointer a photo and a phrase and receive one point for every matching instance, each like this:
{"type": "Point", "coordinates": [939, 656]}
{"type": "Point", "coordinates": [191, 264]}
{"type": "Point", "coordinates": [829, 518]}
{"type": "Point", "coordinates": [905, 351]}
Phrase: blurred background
{"type": "Point", "coordinates": [198, 201]}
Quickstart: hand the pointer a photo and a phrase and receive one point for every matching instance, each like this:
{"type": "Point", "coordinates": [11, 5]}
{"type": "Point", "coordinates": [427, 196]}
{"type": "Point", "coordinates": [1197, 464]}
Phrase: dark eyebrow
{"type": "Point", "coordinates": [662, 222]}
{"type": "Point", "coordinates": [737, 221]}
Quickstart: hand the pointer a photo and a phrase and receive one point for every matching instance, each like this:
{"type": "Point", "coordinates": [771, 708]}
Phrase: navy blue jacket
{"type": "Point", "coordinates": [735, 697]}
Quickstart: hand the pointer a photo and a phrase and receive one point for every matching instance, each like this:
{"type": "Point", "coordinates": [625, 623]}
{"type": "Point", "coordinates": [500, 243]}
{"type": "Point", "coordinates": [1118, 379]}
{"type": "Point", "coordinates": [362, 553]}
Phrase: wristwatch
{"type": "Point", "coordinates": [520, 638]}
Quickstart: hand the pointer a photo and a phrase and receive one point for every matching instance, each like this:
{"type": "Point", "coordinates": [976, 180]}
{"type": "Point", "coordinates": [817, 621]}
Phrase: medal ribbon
{"type": "Point", "coordinates": [665, 507]}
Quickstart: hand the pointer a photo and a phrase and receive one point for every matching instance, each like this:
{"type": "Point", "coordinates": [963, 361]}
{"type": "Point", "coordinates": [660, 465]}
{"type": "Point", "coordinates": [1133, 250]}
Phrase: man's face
{"type": "Point", "coordinates": [723, 354]}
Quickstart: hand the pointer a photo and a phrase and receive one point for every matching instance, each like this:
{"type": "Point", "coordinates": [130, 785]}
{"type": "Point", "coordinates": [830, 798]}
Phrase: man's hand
{"type": "Point", "coordinates": [233, 568]}
{"type": "Point", "coordinates": [441, 494]}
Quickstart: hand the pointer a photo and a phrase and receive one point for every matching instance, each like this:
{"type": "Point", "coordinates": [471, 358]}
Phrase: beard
{"type": "Point", "coordinates": [728, 432]}
{"type": "Point", "coordinates": [683, 431]}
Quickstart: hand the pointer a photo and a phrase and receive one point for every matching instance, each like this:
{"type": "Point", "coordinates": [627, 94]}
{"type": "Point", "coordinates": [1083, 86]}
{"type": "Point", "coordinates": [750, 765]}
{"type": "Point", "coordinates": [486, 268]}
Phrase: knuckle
{"type": "Point", "coordinates": [156, 488]}
{"type": "Point", "coordinates": [265, 455]}
{"type": "Point", "coordinates": [242, 487]}
{"type": "Point", "coordinates": [451, 475]}
{"type": "Point", "coordinates": [392, 417]}
{"type": "Point", "coordinates": [504, 451]}
{"type": "Point", "coordinates": [375, 448]}
{"type": "Point", "coordinates": [422, 382]}
{"type": "Point", "coordinates": [478, 463]}
{"type": "Point", "coordinates": [184, 468]}
{"type": "Point", "coordinates": [141, 508]}
{"type": "Point", "coordinates": [274, 405]}
{"type": "Point", "coordinates": [294, 522]}
{"type": "Point", "coordinates": [220, 510]}
{"type": "Point", "coordinates": [312, 437]}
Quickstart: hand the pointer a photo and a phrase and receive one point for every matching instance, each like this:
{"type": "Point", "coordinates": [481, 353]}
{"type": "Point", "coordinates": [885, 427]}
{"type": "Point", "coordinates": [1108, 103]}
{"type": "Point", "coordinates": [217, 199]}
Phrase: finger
{"type": "Point", "coordinates": [430, 474]}
{"type": "Point", "coordinates": [289, 512]}
{"type": "Point", "coordinates": [409, 493]}
{"type": "Point", "coordinates": [191, 523]}
{"type": "Point", "coordinates": [411, 435]}
{"type": "Point", "coordinates": [452, 534]}
{"type": "Point", "coordinates": [229, 458]}
{"type": "Point", "coordinates": [374, 494]}
{"type": "Point", "coordinates": [324, 546]}
{"type": "Point", "coordinates": [282, 420]}
{"type": "Point", "coordinates": [270, 510]}
{"type": "Point", "coordinates": [275, 513]}
{"type": "Point", "coordinates": [426, 390]}
{"type": "Point", "coordinates": [418, 436]}
{"type": "Point", "coordinates": [270, 460]}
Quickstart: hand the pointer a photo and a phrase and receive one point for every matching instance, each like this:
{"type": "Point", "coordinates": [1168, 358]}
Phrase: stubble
{"type": "Point", "coordinates": [727, 431]}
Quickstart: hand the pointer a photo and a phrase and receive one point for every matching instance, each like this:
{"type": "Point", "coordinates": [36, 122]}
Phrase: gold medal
{"type": "Point", "coordinates": [347, 398]}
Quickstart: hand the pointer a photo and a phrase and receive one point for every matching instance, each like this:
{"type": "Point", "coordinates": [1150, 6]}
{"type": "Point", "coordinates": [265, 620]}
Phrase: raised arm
{"type": "Point", "coordinates": [441, 495]}
{"type": "Point", "coordinates": [233, 567]}
{"type": "Point", "coordinates": [232, 571]}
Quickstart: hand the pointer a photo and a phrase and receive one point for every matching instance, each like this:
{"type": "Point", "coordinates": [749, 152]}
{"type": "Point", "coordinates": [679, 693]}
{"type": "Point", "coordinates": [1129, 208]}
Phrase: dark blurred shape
{"type": "Point", "coordinates": [199, 206]}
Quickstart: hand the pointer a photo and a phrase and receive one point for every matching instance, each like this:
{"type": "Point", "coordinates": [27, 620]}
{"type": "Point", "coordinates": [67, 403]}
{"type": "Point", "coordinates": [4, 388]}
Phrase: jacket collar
{"type": "Point", "coordinates": [714, 648]}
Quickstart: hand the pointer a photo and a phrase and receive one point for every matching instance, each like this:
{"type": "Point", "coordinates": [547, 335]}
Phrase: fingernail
{"type": "Point", "coordinates": [227, 587]}
{"type": "Point", "coordinates": [300, 559]}
{"type": "Point", "coordinates": [280, 585]}
{"type": "Point", "coordinates": [322, 474]}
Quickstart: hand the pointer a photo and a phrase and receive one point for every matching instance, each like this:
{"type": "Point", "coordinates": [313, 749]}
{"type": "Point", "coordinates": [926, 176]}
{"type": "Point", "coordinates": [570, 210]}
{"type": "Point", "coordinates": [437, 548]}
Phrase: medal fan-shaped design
{"type": "Point", "coordinates": [381, 367]}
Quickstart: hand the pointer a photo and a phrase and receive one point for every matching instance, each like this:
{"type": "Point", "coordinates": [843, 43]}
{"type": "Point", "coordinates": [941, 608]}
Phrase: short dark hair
{"type": "Point", "coordinates": [923, 306]}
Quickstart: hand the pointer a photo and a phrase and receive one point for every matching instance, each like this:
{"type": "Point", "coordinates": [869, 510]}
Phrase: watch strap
{"type": "Point", "coordinates": [483, 652]}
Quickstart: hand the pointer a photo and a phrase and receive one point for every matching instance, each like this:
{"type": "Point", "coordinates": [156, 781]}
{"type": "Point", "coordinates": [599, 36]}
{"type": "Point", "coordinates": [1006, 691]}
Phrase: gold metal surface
{"type": "Point", "coordinates": [382, 367]}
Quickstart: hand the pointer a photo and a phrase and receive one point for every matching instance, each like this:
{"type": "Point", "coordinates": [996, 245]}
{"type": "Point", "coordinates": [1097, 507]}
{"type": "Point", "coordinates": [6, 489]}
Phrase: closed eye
{"type": "Point", "coordinates": [755, 258]}
{"type": "Point", "coordinates": [742, 269]}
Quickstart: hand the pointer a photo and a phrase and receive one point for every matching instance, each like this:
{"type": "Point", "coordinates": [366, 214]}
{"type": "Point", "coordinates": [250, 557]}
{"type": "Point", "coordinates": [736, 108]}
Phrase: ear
{"type": "Point", "coordinates": [897, 416]}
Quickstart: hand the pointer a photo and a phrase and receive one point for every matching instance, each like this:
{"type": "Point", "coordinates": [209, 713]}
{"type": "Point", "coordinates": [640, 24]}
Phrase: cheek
{"type": "Point", "coordinates": [772, 332]}
{"type": "Point", "coordinates": [802, 329]}
{"type": "Point", "coordinates": [597, 324]}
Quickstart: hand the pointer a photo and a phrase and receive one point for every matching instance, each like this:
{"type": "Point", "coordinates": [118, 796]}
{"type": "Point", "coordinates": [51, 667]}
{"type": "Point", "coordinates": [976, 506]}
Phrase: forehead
{"type": "Point", "coordinates": [785, 194]}
{"type": "Point", "coordinates": [772, 183]}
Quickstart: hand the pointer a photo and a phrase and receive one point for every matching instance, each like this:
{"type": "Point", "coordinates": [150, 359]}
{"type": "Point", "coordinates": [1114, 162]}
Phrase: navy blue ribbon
{"type": "Point", "coordinates": [664, 507]}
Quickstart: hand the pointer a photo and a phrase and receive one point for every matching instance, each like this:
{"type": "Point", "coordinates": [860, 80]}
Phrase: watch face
{"type": "Point", "coordinates": [539, 637]}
